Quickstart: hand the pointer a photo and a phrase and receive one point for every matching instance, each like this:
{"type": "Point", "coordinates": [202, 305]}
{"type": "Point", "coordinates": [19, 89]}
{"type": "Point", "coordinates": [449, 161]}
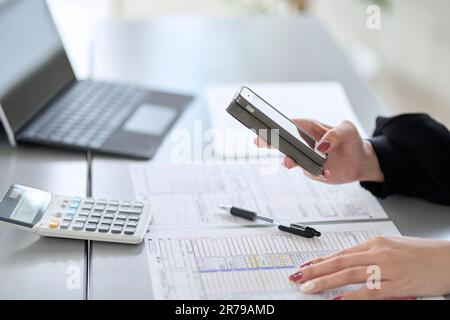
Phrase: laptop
{"type": "Point", "coordinates": [42, 102]}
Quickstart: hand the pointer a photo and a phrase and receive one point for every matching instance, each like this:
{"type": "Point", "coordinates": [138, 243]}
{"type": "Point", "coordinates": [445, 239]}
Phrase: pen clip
{"type": "Point", "coordinates": [306, 229]}
{"type": "Point", "coordinates": [298, 227]}
{"type": "Point", "coordinates": [297, 230]}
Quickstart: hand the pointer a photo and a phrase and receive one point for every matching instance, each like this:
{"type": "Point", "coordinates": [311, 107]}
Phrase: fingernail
{"type": "Point", "coordinates": [306, 264]}
{"type": "Point", "coordinates": [323, 146]}
{"type": "Point", "coordinates": [308, 286]}
{"type": "Point", "coordinates": [295, 276]}
{"type": "Point", "coordinates": [338, 298]}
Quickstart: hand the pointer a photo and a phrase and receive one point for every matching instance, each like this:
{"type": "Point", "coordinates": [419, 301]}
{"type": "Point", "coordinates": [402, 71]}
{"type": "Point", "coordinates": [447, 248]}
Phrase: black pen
{"type": "Point", "coordinates": [294, 228]}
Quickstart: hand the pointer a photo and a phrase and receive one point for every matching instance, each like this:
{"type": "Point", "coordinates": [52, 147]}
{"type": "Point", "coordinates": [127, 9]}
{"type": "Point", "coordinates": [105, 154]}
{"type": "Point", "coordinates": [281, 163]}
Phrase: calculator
{"type": "Point", "coordinates": [52, 215]}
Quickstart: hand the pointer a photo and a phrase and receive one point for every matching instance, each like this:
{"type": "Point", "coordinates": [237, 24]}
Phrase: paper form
{"type": "Point", "coordinates": [326, 102]}
{"type": "Point", "coordinates": [190, 195]}
{"type": "Point", "coordinates": [244, 263]}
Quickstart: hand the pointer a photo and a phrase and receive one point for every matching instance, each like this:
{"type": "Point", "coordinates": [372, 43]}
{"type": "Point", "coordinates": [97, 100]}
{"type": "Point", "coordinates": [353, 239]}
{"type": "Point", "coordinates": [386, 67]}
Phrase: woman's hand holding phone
{"type": "Point", "coordinates": [350, 157]}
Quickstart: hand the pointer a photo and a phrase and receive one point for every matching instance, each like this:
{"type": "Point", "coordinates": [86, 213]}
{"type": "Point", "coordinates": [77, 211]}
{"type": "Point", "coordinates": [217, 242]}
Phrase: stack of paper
{"type": "Point", "coordinates": [218, 256]}
{"type": "Point", "coordinates": [251, 263]}
{"type": "Point", "coordinates": [190, 195]}
{"type": "Point", "coordinates": [197, 251]}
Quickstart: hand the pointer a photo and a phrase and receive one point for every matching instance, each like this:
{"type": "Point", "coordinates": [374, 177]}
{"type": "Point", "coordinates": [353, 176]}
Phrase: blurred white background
{"type": "Point", "coordinates": [406, 61]}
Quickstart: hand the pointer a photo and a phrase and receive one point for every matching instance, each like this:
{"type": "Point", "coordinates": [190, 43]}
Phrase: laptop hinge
{"type": "Point", "coordinates": [8, 128]}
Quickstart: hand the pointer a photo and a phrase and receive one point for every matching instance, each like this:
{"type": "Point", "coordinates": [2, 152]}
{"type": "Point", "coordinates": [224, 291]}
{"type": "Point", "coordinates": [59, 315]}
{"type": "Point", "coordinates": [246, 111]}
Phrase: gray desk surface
{"type": "Point", "coordinates": [187, 54]}
{"type": "Point", "coordinates": [32, 267]}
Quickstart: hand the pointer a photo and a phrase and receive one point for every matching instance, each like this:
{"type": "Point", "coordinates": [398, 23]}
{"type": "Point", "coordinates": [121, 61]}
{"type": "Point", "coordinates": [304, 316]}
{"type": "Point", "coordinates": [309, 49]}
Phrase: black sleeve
{"type": "Point", "coordinates": [414, 154]}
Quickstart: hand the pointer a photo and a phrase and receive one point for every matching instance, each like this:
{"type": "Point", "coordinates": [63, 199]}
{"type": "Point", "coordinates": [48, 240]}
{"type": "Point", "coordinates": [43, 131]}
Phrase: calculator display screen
{"type": "Point", "coordinates": [24, 205]}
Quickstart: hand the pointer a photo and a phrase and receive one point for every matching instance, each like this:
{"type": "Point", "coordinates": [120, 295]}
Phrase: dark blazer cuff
{"type": "Point", "coordinates": [394, 165]}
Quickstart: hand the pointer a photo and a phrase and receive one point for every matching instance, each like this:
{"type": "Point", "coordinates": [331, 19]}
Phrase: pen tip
{"type": "Point", "coordinates": [222, 206]}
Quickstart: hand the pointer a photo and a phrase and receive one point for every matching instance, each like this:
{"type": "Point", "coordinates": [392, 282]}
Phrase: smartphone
{"type": "Point", "coordinates": [277, 129]}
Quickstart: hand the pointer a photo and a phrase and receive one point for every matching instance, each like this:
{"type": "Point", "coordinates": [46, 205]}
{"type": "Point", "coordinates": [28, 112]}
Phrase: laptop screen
{"type": "Point", "coordinates": [33, 63]}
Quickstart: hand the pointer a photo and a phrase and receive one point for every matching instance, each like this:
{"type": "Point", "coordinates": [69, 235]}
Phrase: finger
{"type": "Point", "coordinates": [326, 126]}
{"type": "Point", "coordinates": [326, 175]}
{"type": "Point", "coordinates": [261, 143]}
{"type": "Point", "coordinates": [341, 278]}
{"type": "Point", "coordinates": [335, 264]}
{"type": "Point", "coordinates": [289, 163]}
{"type": "Point", "coordinates": [353, 249]}
{"type": "Point", "coordinates": [322, 178]}
{"type": "Point", "coordinates": [334, 137]}
{"type": "Point", "coordinates": [365, 293]}
{"type": "Point", "coordinates": [314, 128]}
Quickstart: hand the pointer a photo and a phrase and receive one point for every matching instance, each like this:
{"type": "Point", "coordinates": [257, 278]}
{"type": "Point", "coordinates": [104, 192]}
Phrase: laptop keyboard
{"type": "Point", "coordinates": [87, 115]}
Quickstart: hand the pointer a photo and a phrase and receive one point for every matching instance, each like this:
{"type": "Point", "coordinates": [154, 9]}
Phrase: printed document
{"type": "Point", "coordinates": [244, 263]}
{"type": "Point", "coordinates": [183, 195]}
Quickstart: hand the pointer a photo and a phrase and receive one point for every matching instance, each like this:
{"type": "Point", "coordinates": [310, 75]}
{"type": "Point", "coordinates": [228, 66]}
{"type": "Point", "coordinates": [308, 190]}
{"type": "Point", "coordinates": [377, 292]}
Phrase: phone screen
{"type": "Point", "coordinates": [280, 119]}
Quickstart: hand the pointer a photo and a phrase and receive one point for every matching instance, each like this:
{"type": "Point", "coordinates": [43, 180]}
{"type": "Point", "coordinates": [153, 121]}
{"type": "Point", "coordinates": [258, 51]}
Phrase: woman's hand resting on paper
{"type": "Point", "coordinates": [350, 157]}
{"type": "Point", "coordinates": [408, 267]}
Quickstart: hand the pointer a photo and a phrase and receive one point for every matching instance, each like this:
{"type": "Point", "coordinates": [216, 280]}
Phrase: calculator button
{"type": "Point", "coordinates": [121, 216]}
{"type": "Point", "coordinates": [78, 226]}
{"type": "Point", "coordinates": [86, 207]}
{"type": "Point", "coordinates": [138, 205]}
{"type": "Point", "coordinates": [103, 228]}
{"type": "Point", "coordinates": [125, 203]}
{"type": "Point", "coordinates": [76, 199]}
{"type": "Point", "coordinates": [133, 218]}
{"type": "Point", "coordinates": [96, 215]}
{"type": "Point", "coordinates": [83, 213]}
{"type": "Point", "coordinates": [108, 216]}
{"type": "Point", "coordinates": [64, 225]}
{"type": "Point", "coordinates": [119, 222]}
{"type": "Point", "coordinates": [99, 208]}
{"type": "Point", "coordinates": [101, 201]}
{"type": "Point", "coordinates": [132, 224]}
{"type": "Point", "coordinates": [107, 221]}
{"type": "Point", "coordinates": [114, 203]}
{"type": "Point", "coordinates": [88, 201]}
{"type": "Point", "coordinates": [58, 215]}
{"type": "Point", "coordinates": [68, 218]}
{"type": "Point", "coordinates": [93, 220]}
{"type": "Point", "coordinates": [91, 227]}
{"type": "Point", "coordinates": [130, 211]}
{"type": "Point", "coordinates": [111, 209]}
{"type": "Point", "coordinates": [74, 205]}
{"type": "Point", "coordinates": [81, 219]}
{"type": "Point", "coordinates": [54, 224]}
{"type": "Point", "coordinates": [116, 229]}
{"type": "Point", "coordinates": [130, 231]}
{"type": "Point", "coordinates": [71, 211]}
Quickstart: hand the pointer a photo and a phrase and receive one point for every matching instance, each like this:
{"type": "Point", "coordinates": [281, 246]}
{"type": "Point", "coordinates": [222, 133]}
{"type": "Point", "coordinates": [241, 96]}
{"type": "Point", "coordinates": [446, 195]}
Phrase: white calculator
{"type": "Point", "coordinates": [73, 217]}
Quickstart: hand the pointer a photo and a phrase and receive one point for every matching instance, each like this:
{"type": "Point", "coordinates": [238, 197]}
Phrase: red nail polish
{"type": "Point", "coordinates": [324, 146]}
{"type": "Point", "coordinates": [295, 276]}
{"type": "Point", "coordinates": [338, 298]}
{"type": "Point", "coordinates": [306, 264]}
